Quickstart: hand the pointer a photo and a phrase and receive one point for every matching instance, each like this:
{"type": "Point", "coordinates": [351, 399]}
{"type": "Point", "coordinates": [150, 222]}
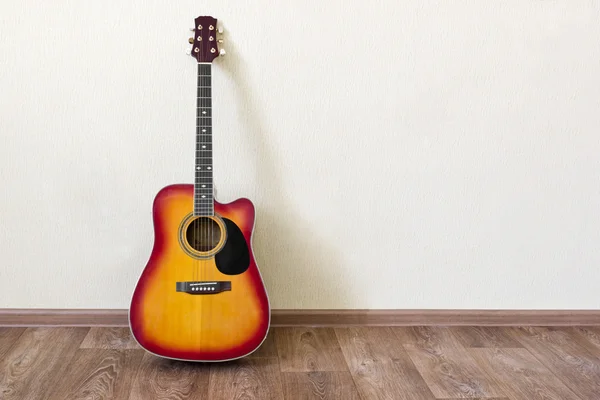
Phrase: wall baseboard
{"type": "Point", "coordinates": [118, 317]}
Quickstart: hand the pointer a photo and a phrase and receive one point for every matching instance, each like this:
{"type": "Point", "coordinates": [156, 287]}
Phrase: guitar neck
{"type": "Point", "coordinates": [203, 184]}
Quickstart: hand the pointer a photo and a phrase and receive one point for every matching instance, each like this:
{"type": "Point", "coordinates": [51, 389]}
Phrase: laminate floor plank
{"type": "Point", "coordinates": [248, 379]}
{"type": "Point", "coordinates": [36, 361]}
{"type": "Point", "coordinates": [268, 347]}
{"type": "Point", "coordinates": [109, 338]}
{"type": "Point", "coordinates": [561, 352]}
{"type": "Point", "coordinates": [591, 336]}
{"type": "Point", "coordinates": [8, 337]}
{"type": "Point", "coordinates": [484, 336]}
{"type": "Point", "coordinates": [99, 374]}
{"type": "Point", "coordinates": [521, 375]}
{"type": "Point", "coordinates": [428, 337]}
{"type": "Point", "coordinates": [367, 363]}
{"type": "Point", "coordinates": [380, 366]}
{"type": "Point", "coordinates": [453, 373]}
{"type": "Point", "coordinates": [162, 379]}
{"type": "Point", "coordinates": [309, 349]}
{"type": "Point", "coordinates": [331, 385]}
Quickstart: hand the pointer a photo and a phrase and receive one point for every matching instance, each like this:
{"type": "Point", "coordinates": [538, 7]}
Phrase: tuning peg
{"type": "Point", "coordinates": [219, 40]}
{"type": "Point", "coordinates": [191, 40]}
{"type": "Point", "coordinates": [220, 29]}
{"type": "Point", "coordinates": [188, 51]}
{"type": "Point", "coordinates": [222, 52]}
{"type": "Point", "coordinates": [192, 29]}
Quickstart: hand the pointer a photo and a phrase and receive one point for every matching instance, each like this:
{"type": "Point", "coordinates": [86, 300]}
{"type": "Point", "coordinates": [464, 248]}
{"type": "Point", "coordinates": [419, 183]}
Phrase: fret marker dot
{"type": "Point", "coordinates": [209, 167]}
{"type": "Point", "coordinates": [203, 147]}
{"type": "Point", "coordinates": [203, 186]}
{"type": "Point", "coordinates": [203, 112]}
{"type": "Point", "coordinates": [203, 130]}
{"type": "Point", "coordinates": [198, 168]}
{"type": "Point", "coordinates": [203, 196]}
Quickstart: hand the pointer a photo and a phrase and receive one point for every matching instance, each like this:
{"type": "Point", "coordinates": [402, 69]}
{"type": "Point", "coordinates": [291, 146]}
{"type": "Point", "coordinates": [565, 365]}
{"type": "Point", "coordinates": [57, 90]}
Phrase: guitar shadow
{"type": "Point", "coordinates": [300, 269]}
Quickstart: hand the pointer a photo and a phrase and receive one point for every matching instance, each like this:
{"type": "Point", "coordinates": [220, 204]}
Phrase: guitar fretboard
{"type": "Point", "coordinates": [203, 185]}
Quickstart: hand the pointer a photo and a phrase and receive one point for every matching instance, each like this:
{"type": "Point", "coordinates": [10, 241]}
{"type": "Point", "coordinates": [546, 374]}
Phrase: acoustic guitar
{"type": "Point", "coordinates": [201, 296]}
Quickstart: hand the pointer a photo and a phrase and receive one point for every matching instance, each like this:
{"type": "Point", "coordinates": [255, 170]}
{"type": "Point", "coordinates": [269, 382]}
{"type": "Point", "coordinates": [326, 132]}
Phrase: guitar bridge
{"type": "Point", "coordinates": [199, 287]}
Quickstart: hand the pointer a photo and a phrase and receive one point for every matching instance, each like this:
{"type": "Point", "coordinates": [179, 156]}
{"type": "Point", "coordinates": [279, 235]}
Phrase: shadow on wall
{"type": "Point", "coordinates": [299, 269]}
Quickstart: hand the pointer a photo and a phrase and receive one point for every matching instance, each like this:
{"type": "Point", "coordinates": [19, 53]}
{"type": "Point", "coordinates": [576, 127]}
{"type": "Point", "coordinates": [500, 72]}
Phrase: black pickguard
{"type": "Point", "coordinates": [234, 257]}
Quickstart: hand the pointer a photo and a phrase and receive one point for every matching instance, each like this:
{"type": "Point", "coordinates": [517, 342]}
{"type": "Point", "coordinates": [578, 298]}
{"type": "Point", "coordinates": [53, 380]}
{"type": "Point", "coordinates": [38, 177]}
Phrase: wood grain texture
{"type": "Point", "coordinates": [380, 366]}
{"type": "Point", "coordinates": [36, 360]}
{"type": "Point", "coordinates": [335, 318]}
{"type": "Point", "coordinates": [521, 375]}
{"type": "Point", "coordinates": [442, 361]}
{"type": "Point", "coordinates": [564, 355]}
{"type": "Point", "coordinates": [309, 349]}
{"type": "Point", "coordinates": [162, 379]}
{"type": "Point", "coordinates": [484, 336]}
{"type": "Point", "coordinates": [331, 385]}
{"type": "Point", "coordinates": [8, 336]}
{"type": "Point", "coordinates": [109, 338]}
{"type": "Point", "coordinates": [247, 379]}
{"type": "Point", "coordinates": [268, 348]}
{"type": "Point", "coordinates": [428, 337]}
{"type": "Point", "coordinates": [372, 363]}
{"type": "Point", "coordinates": [452, 373]}
{"type": "Point", "coordinates": [591, 335]}
{"type": "Point", "coordinates": [98, 374]}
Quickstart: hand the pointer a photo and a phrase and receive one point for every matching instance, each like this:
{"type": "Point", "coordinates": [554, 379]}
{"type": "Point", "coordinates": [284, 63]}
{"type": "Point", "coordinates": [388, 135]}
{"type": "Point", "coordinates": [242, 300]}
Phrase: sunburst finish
{"type": "Point", "coordinates": [211, 327]}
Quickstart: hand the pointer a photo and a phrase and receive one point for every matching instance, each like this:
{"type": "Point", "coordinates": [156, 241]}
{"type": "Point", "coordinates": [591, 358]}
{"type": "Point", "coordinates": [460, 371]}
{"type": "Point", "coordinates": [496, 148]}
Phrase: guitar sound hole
{"type": "Point", "coordinates": [203, 234]}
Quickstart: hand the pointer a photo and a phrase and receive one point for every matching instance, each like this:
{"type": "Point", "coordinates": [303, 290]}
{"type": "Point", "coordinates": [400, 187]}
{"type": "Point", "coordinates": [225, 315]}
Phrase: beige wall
{"type": "Point", "coordinates": [400, 154]}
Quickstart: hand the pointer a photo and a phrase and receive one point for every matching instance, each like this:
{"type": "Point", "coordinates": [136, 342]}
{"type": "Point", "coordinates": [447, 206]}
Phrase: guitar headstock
{"type": "Point", "coordinates": [205, 43]}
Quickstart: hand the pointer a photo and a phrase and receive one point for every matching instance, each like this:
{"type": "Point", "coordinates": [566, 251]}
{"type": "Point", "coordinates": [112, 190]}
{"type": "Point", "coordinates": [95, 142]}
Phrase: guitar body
{"type": "Point", "coordinates": [200, 296]}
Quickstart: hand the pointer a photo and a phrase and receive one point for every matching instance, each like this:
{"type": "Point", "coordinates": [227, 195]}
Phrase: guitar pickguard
{"type": "Point", "coordinates": [234, 257]}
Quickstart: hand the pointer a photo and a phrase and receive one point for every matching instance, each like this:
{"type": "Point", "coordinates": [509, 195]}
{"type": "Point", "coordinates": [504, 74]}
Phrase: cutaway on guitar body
{"type": "Point", "coordinates": [229, 317]}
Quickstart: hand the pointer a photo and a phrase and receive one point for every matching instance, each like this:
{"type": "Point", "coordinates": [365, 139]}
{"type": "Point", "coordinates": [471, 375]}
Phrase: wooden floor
{"type": "Point", "coordinates": [411, 363]}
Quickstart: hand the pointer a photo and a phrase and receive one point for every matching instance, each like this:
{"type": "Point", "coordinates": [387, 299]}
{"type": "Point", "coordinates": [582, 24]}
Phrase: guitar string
{"type": "Point", "coordinates": [202, 125]}
{"type": "Point", "coordinates": [209, 220]}
{"type": "Point", "coordinates": [197, 178]}
{"type": "Point", "coordinates": [208, 174]}
{"type": "Point", "coordinates": [202, 198]}
{"type": "Point", "coordinates": [198, 175]}
{"type": "Point", "coordinates": [193, 221]}
{"type": "Point", "coordinates": [212, 264]}
{"type": "Point", "coordinates": [212, 204]}
{"type": "Point", "coordinates": [201, 140]}
{"type": "Point", "coordinates": [214, 224]}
